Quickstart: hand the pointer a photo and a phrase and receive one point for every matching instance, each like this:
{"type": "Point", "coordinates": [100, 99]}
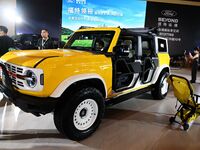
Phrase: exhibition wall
{"type": "Point", "coordinates": [178, 23]}
{"type": "Point", "coordinates": [38, 14]}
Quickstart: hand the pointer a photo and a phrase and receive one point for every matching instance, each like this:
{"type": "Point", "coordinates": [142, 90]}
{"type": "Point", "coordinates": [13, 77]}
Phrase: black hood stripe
{"type": "Point", "coordinates": [43, 60]}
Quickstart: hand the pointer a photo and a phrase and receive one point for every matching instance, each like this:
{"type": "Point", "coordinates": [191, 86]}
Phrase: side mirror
{"type": "Point", "coordinates": [121, 50]}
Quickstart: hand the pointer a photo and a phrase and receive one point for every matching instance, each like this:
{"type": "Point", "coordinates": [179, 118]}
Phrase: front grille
{"type": "Point", "coordinates": [20, 83]}
{"type": "Point", "coordinates": [20, 70]}
{"type": "Point", "coordinates": [19, 76]}
{"type": "Point", "coordinates": [13, 68]}
{"type": "Point", "coordinates": [13, 71]}
{"type": "Point", "coordinates": [14, 80]}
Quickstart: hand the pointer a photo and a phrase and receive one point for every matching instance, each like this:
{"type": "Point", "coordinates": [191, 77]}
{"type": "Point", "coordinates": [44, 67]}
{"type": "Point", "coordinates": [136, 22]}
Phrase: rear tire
{"type": "Point", "coordinates": [171, 120]}
{"type": "Point", "coordinates": [186, 126]}
{"type": "Point", "coordinates": [81, 114]}
{"type": "Point", "coordinates": [161, 87]}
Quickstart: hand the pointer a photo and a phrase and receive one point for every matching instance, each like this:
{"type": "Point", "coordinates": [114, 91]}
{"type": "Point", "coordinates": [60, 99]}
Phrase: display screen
{"type": "Point", "coordinates": [109, 13]}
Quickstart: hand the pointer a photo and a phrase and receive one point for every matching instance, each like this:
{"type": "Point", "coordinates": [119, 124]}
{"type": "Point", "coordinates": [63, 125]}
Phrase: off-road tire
{"type": "Point", "coordinates": [64, 114]}
{"type": "Point", "coordinates": [156, 92]}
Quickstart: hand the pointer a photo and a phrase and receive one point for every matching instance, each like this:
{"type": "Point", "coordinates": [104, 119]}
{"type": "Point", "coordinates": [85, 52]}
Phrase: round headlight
{"type": "Point", "coordinates": [31, 79]}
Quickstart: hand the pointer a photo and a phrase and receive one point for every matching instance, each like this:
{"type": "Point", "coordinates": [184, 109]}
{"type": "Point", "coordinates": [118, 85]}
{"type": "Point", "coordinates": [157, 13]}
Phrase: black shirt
{"type": "Point", "coordinates": [5, 43]}
{"type": "Point", "coordinates": [45, 44]}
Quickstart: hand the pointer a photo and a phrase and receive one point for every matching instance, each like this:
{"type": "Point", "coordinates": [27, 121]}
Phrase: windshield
{"type": "Point", "coordinates": [97, 41]}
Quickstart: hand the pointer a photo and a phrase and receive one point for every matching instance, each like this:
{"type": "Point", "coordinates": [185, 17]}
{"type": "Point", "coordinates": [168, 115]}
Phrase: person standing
{"type": "Point", "coordinates": [195, 61]}
{"type": "Point", "coordinates": [45, 42]}
{"type": "Point", "coordinates": [5, 41]}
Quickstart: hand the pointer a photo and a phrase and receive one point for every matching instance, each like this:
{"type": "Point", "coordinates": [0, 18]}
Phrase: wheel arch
{"type": "Point", "coordinates": [159, 71]}
{"type": "Point", "coordinates": [72, 83]}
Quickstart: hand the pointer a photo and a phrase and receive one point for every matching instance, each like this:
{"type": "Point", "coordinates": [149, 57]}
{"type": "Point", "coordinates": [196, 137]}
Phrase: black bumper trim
{"type": "Point", "coordinates": [34, 105]}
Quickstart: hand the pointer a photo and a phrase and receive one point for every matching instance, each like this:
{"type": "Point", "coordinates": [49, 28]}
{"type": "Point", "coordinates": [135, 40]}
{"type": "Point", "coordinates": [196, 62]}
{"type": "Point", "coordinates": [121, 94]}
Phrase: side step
{"type": "Point", "coordinates": [125, 97]}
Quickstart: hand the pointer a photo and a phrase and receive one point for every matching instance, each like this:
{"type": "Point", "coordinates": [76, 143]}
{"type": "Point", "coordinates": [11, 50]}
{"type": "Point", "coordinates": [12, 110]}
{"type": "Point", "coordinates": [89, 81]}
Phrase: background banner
{"type": "Point", "coordinates": [178, 23]}
{"type": "Point", "coordinates": [112, 13]}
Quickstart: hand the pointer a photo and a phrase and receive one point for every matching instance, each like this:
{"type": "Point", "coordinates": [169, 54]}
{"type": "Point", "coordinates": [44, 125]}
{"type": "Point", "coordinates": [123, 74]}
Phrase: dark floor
{"type": "Point", "coordinates": [139, 123]}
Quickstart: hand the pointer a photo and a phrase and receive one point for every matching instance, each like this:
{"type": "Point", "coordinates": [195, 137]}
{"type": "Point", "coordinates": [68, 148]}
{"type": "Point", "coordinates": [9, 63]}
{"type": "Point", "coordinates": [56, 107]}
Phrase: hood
{"type": "Point", "coordinates": [29, 58]}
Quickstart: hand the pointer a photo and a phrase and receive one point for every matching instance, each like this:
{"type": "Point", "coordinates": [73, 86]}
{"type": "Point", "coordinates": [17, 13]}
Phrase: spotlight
{"type": "Point", "coordinates": [9, 13]}
{"type": "Point", "coordinates": [18, 19]}
{"type": "Point", "coordinates": [12, 15]}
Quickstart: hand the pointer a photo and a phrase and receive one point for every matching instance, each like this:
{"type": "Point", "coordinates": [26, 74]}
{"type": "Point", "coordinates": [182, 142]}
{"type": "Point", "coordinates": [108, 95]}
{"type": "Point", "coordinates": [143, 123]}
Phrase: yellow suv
{"type": "Point", "coordinates": [96, 66]}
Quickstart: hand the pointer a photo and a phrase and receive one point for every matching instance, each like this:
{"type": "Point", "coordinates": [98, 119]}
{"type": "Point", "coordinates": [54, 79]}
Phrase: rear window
{"type": "Point", "coordinates": [162, 45]}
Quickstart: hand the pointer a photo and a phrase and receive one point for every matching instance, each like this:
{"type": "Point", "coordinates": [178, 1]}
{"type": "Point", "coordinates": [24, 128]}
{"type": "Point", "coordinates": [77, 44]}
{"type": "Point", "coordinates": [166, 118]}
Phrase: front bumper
{"type": "Point", "coordinates": [34, 105]}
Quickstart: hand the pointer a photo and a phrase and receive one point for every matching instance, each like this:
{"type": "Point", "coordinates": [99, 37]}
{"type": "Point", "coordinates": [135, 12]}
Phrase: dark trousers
{"type": "Point", "coordinates": [194, 70]}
